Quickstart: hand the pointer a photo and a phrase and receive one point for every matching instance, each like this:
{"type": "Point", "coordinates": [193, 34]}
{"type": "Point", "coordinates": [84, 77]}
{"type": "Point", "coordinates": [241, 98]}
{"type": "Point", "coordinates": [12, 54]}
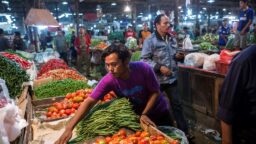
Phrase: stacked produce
{"type": "Point", "coordinates": [17, 53]}
{"type": "Point", "coordinates": [106, 119]}
{"type": "Point", "coordinates": [14, 57]}
{"type": "Point", "coordinates": [69, 105]}
{"type": "Point", "coordinates": [60, 74]}
{"type": "Point", "coordinates": [140, 137]}
{"type": "Point", "coordinates": [210, 38]}
{"type": "Point", "coordinates": [51, 65]}
{"type": "Point", "coordinates": [13, 75]}
{"type": "Point", "coordinates": [95, 42]}
{"type": "Point", "coordinates": [206, 46]}
{"type": "Point", "coordinates": [101, 45]}
{"type": "Point", "coordinates": [59, 88]}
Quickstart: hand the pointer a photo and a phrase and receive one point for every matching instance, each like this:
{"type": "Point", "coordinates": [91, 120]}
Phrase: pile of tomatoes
{"type": "Point", "coordinates": [72, 102]}
{"type": "Point", "coordinates": [69, 106]}
{"type": "Point", "coordinates": [121, 137]}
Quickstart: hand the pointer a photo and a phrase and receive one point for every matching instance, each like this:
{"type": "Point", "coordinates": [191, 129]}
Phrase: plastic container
{"type": "Point", "coordinates": [222, 67]}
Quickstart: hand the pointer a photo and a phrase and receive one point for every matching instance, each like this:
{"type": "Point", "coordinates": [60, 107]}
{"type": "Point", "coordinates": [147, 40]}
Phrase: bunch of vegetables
{"type": "Point", "coordinates": [106, 119]}
{"type": "Point", "coordinates": [136, 56]}
{"type": "Point", "coordinates": [101, 45]}
{"type": "Point", "coordinates": [209, 38]}
{"type": "Point", "coordinates": [95, 42]}
{"type": "Point", "coordinates": [206, 46]}
{"type": "Point", "coordinates": [51, 65]}
{"type": "Point", "coordinates": [17, 53]}
{"type": "Point", "coordinates": [131, 43]}
{"type": "Point", "coordinates": [14, 57]}
{"type": "Point", "coordinates": [13, 75]}
{"type": "Point", "coordinates": [71, 103]}
{"type": "Point", "coordinates": [60, 74]}
{"type": "Point", "coordinates": [59, 88]}
{"type": "Point", "coordinates": [139, 137]}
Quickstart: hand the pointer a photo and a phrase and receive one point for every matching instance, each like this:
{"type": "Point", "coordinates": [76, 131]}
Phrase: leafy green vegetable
{"type": "Point", "coordinates": [13, 75]}
{"type": "Point", "coordinates": [59, 88]}
{"type": "Point", "coordinates": [136, 56]}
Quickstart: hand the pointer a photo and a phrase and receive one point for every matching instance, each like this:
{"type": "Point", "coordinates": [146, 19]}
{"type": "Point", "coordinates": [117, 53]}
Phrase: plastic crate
{"type": "Point", "coordinates": [222, 67]}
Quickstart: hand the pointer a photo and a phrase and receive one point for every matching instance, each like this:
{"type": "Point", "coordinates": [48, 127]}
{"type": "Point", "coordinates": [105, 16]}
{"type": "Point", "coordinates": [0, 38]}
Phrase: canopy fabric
{"type": "Point", "coordinates": [40, 17]}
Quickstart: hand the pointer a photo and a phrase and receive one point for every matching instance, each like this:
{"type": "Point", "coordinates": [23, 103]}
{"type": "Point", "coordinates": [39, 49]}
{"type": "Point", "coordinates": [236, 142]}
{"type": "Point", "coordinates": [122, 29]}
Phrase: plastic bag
{"type": "Point", "coordinates": [209, 62]}
{"type": "Point", "coordinates": [187, 44]}
{"type": "Point", "coordinates": [11, 123]}
{"type": "Point", "coordinates": [226, 55]}
{"type": "Point", "coordinates": [195, 59]}
{"type": "Point", "coordinates": [174, 132]}
{"type": "Point", "coordinates": [4, 93]}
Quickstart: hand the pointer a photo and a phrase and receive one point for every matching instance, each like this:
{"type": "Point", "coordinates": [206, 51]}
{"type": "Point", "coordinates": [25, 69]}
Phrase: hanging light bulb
{"type": "Point", "coordinates": [127, 8]}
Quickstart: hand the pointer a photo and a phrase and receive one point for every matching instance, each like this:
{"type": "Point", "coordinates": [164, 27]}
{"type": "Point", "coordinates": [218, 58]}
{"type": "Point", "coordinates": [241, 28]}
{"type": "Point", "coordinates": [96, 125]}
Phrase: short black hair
{"type": "Point", "coordinates": [158, 19]}
{"type": "Point", "coordinates": [118, 48]}
{"type": "Point", "coordinates": [1, 31]}
{"type": "Point", "coordinates": [17, 33]}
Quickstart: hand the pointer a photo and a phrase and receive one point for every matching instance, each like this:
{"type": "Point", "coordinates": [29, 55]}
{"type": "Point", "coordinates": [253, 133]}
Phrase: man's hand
{"type": "Point", "coordinates": [144, 119]}
{"type": "Point", "coordinates": [64, 137]}
{"type": "Point", "coordinates": [165, 71]}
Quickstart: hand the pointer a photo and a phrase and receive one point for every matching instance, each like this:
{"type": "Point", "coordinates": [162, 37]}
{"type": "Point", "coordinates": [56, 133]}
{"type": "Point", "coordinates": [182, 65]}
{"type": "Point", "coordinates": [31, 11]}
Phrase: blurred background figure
{"type": "Point", "coordinates": [143, 34]}
{"type": "Point", "coordinates": [224, 32]}
{"type": "Point", "coordinates": [18, 43]}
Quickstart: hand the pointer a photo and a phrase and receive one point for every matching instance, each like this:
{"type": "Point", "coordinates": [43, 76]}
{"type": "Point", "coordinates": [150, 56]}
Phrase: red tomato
{"type": "Point", "coordinates": [75, 105]}
{"type": "Point", "coordinates": [49, 114]}
{"type": "Point", "coordinates": [58, 106]}
{"type": "Point", "coordinates": [73, 110]}
{"type": "Point", "coordinates": [160, 137]}
{"type": "Point", "coordinates": [69, 95]}
{"type": "Point", "coordinates": [68, 111]}
{"type": "Point", "coordinates": [144, 134]}
{"type": "Point", "coordinates": [108, 139]}
{"type": "Point", "coordinates": [121, 132]}
{"type": "Point", "coordinates": [138, 133]}
{"type": "Point", "coordinates": [62, 111]}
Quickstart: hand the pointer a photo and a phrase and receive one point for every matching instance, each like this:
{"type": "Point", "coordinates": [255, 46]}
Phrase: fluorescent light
{"type": "Point", "coordinates": [113, 4]}
{"type": "Point", "coordinates": [149, 16]}
{"type": "Point", "coordinates": [9, 9]}
{"type": "Point", "coordinates": [204, 8]}
{"type": "Point", "coordinates": [64, 3]}
{"type": "Point", "coordinates": [127, 8]}
{"type": "Point", "coordinates": [211, 1]}
{"type": "Point", "coordinates": [224, 9]}
{"type": "Point", "coordinates": [5, 2]}
{"type": "Point", "coordinates": [179, 7]}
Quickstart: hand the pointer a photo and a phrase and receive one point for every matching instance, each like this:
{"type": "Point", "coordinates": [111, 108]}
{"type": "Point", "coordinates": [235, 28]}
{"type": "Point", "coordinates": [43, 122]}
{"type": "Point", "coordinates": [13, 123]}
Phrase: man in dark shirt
{"type": "Point", "coordinates": [245, 20]}
{"type": "Point", "coordinates": [237, 103]}
{"type": "Point", "coordinates": [4, 43]}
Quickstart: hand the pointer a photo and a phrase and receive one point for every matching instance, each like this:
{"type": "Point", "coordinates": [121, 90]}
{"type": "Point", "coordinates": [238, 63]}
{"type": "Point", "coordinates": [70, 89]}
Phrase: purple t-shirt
{"type": "Point", "coordinates": [141, 84]}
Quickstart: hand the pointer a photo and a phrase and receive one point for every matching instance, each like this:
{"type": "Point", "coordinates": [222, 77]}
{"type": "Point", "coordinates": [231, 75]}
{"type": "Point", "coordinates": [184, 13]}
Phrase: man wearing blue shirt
{"type": "Point", "coordinates": [224, 32]}
{"type": "Point", "coordinates": [245, 20]}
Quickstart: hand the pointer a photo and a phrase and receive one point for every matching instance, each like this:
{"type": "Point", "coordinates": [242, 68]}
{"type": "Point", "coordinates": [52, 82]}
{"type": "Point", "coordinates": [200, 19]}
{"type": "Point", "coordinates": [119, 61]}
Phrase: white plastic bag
{"type": "Point", "coordinates": [10, 123]}
{"type": "Point", "coordinates": [187, 44]}
{"type": "Point", "coordinates": [4, 93]}
{"type": "Point", "coordinates": [195, 59]}
{"type": "Point", "coordinates": [209, 62]}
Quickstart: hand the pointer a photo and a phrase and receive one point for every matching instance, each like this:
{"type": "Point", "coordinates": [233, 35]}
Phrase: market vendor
{"type": "Point", "coordinates": [245, 20]}
{"type": "Point", "coordinates": [224, 32]}
{"type": "Point", "coordinates": [133, 80]}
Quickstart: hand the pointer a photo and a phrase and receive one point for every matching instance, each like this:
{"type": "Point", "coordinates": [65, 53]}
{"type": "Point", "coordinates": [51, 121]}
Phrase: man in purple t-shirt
{"type": "Point", "coordinates": [133, 80]}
